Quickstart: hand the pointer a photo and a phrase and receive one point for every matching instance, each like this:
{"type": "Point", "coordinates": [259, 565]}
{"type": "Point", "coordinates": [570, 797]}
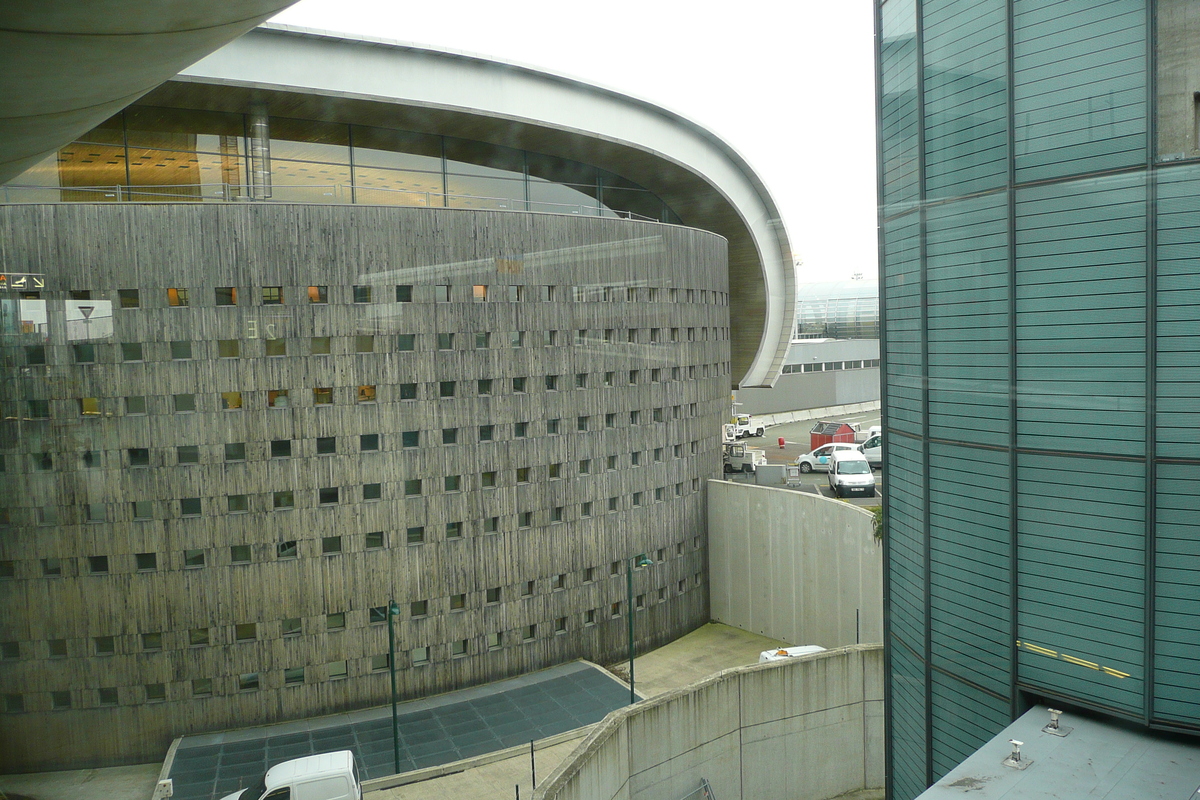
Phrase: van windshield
{"type": "Point", "coordinates": [853, 468]}
{"type": "Point", "coordinates": [256, 790]}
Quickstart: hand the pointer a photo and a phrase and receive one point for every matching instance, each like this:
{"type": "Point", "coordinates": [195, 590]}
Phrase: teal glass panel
{"type": "Point", "coordinates": [905, 345]}
{"type": "Point", "coordinates": [900, 109]}
{"type": "Point", "coordinates": [1177, 605]}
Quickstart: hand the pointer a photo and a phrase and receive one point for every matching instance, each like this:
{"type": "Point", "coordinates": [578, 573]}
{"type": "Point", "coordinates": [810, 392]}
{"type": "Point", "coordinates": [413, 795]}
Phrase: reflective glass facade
{"type": "Point", "coordinates": [148, 154]}
{"type": "Point", "coordinates": [1039, 295]}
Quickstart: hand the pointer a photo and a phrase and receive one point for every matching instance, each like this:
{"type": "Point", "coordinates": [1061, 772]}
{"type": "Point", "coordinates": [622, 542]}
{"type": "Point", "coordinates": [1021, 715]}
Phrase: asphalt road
{"type": "Point", "coordinates": [797, 443]}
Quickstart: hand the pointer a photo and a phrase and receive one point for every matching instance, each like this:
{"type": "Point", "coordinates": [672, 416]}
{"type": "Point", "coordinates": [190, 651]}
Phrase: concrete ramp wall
{"type": "Point", "coordinates": [809, 727]}
{"type": "Point", "coordinates": [797, 567]}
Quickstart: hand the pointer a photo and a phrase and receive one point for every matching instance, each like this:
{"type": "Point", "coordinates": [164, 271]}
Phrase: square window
{"type": "Point", "coordinates": [198, 637]}
{"type": "Point", "coordinates": [612, 504]}
{"type": "Point", "coordinates": [142, 509]}
{"type": "Point", "coordinates": [412, 487]}
{"type": "Point", "coordinates": [446, 388]}
{"type": "Point", "coordinates": [608, 378]}
{"type": "Point", "coordinates": [516, 294]}
{"type": "Point", "coordinates": [135, 405]}
{"type": "Point", "coordinates": [368, 442]}
{"type": "Point", "coordinates": [366, 394]}
{"type": "Point", "coordinates": [404, 294]}
{"type": "Point", "coordinates": [406, 342]}
{"type": "Point", "coordinates": [479, 293]}
{"type": "Point", "coordinates": [278, 398]}
{"type": "Point", "coordinates": [554, 471]}
{"type": "Point", "coordinates": [238, 503]}
{"type": "Point", "coordinates": [658, 494]}
{"type": "Point", "coordinates": [248, 682]}
{"type": "Point", "coordinates": [552, 426]}
{"type": "Point", "coordinates": [581, 423]}
{"type": "Point", "coordinates": [319, 345]}
{"type": "Point", "coordinates": [410, 439]}
{"type": "Point", "coordinates": [131, 351]}
{"type": "Point", "coordinates": [84, 353]}
{"type": "Point", "coordinates": [418, 608]}
{"type": "Point", "coordinates": [580, 337]}
{"type": "Point", "coordinates": [146, 562]}
{"type": "Point", "coordinates": [323, 396]}
{"type": "Point", "coordinates": [228, 348]}
{"type": "Point", "coordinates": [60, 700]}
{"type": "Point", "coordinates": [585, 509]}
{"type": "Point", "coordinates": [635, 417]}
{"type": "Point", "coordinates": [559, 581]}
{"type": "Point", "coordinates": [525, 519]}
{"type": "Point", "coordinates": [374, 540]}
{"type": "Point", "coordinates": [189, 507]}
{"type": "Point", "coordinates": [560, 625]}
{"type": "Point", "coordinates": [327, 495]}
{"type": "Point", "coordinates": [491, 525]}
{"type": "Point", "coordinates": [89, 458]}
{"type": "Point", "coordinates": [528, 588]}
{"type": "Point", "coordinates": [51, 567]}
{"type": "Point", "coordinates": [281, 448]}
{"type": "Point", "coordinates": [338, 670]}
{"type": "Point", "coordinates": [458, 648]}
{"type": "Point", "coordinates": [614, 610]}
{"type": "Point", "coordinates": [239, 553]}
{"type": "Point", "coordinates": [611, 463]}
{"type": "Point", "coordinates": [487, 433]}
{"type": "Point", "coordinates": [487, 480]}
{"type": "Point", "coordinates": [326, 445]}
{"type": "Point", "coordinates": [483, 386]}
{"type": "Point", "coordinates": [318, 294]}
{"type": "Point", "coordinates": [181, 350]}
{"type": "Point", "coordinates": [245, 632]}
{"type": "Point", "coordinates": [551, 383]}
{"type": "Point", "coordinates": [291, 627]}
{"type": "Point", "coordinates": [493, 595]}
{"type": "Point", "coordinates": [331, 545]}
{"type": "Point", "coordinates": [377, 614]}
{"type": "Point", "coordinates": [362, 294]}
{"type": "Point", "coordinates": [283, 499]}
{"type": "Point", "coordinates": [458, 602]}
{"type": "Point", "coordinates": [89, 406]}
{"type": "Point", "coordinates": [235, 451]}
{"type": "Point", "coordinates": [293, 676]}
{"type": "Point", "coordinates": [107, 697]}
{"type": "Point", "coordinates": [98, 565]}
{"type": "Point", "coordinates": [454, 530]}
{"type": "Point", "coordinates": [193, 559]}
{"type": "Point", "coordinates": [272, 295]}
{"type": "Point", "coordinates": [152, 641]}
{"type": "Point", "coordinates": [58, 648]}
{"type": "Point", "coordinates": [494, 641]}
{"type": "Point", "coordinates": [452, 483]}
{"type": "Point", "coordinates": [635, 458]}
{"type": "Point", "coordinates": [530, 633]}
{"type": "Point", "coordinates": [129, 298]}
{"type": "Point", "coordinates": [408, 391]}
{"type": "Point", "coordinates": [177, 297]}
{"type": "Point", "coordinates": [372, 491]}
{"type": "Point", "coordinates": [287, 550]}
{"type": "Point", "coordinates": [231, 401]}
{"type": "Point", "coordinates": [415, 535]}
{"type": "Point", "coordinates": [483, 341]}
{"type": "Point", "coordinates": [610, 420]}
{"type": "Point", "coordinates": [520, 430]}
{"type": "Point", "coordinates": [335, 621]}
{"type": "Point", "coordinates": [637, 499]}
{"type": "Point", "coordinates": [226, 295]}
{"type": "Point", "coordinates": [518, 385]}
{"type": "Point", "coordinates": [185, 403]}
{"type": "Point", "coordinates": [381, 662]}
{"type": "Point", "coordinates": [449, 435]}
{"type": "Point", "coordinates": [364, 343]}
{"type": "Point", "coordinates": [441, 293]}
{"type": "Point", "coordinates": [419, 655]}
{"type": "Point", "coordinates": [522, 474]}
{"type": "Point", "coordinates": [516, 339]}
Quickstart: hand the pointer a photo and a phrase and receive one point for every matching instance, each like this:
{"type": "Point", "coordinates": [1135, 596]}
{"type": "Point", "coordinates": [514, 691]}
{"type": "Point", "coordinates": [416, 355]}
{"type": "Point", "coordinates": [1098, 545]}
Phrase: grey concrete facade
{"type": "Point", "coordinates": [187, 549]}
{"type": "Point", "coordinates": [794, 566]}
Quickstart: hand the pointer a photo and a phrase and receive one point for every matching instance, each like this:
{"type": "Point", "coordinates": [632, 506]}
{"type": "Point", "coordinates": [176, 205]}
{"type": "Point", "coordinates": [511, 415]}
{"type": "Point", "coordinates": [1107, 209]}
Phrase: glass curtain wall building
{"type": "Point", "coordinates": [151, 154]}
{"type": "Point", "coordinates": [1038, 184]}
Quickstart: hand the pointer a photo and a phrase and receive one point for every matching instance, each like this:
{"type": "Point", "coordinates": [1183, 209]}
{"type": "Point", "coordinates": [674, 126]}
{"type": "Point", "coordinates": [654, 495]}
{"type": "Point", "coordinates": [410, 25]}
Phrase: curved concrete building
{"type": "Point", "coordinates": [326, 323]}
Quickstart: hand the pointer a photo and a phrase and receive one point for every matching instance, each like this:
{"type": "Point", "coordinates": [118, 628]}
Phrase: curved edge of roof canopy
{"type": "Point", "coordinates": [71, 64]}
{"type": "Point", "coordinates": [699, 176]}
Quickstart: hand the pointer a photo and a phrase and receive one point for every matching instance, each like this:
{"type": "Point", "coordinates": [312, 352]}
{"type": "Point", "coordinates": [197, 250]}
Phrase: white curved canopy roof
{"type": "Point", "coordinates": [699, 176]}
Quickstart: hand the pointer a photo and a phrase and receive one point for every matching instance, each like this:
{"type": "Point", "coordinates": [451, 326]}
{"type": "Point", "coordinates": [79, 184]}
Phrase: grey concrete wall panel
{"type": "Point", "coordinates": [796, 567]}
{"type": "Point", "coordinates": [67, 66]}
{"type": "Point", "coordinates": [69, 703]}
{"type": "Point", "coordinates": [699, 176]}
{"type": "Point", "coordinates": [798, 391]}
{"type": "Point", "coordinates": [810, 727]}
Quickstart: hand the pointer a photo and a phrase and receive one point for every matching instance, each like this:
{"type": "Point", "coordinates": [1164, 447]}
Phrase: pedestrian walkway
{"type": "Point", "coordinates": [432, 731]}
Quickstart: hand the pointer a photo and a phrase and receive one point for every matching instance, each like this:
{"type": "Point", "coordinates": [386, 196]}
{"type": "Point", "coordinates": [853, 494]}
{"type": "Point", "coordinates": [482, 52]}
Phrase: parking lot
{"type": "Point", "coordinates": [797, 442]}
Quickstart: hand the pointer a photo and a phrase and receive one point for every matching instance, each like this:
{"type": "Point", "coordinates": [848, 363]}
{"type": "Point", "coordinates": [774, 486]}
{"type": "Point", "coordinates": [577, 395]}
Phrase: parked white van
{"type": "Point", "coordinates": [850, 473]}
{"type": "Point", "coordinates": [326, 776]}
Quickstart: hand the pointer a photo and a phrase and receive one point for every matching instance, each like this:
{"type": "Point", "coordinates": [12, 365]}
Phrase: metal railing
{"type": "Point", "coordinates": [334, 193]}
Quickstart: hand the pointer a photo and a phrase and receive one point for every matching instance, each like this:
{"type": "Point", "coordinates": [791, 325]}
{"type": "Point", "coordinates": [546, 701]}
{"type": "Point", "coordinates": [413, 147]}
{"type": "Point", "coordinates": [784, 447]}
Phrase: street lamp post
{"type": "Point", "coordinates": [392, 611]}
{"type": "Point", "coordinates": [638, 561]}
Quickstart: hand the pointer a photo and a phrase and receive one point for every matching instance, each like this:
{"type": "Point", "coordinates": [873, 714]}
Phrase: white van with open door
{"type": "Point", "coordinates": [326, 776]}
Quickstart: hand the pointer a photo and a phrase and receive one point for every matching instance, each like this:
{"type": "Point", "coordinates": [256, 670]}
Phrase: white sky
{"type": "Point", "coordinates": [790, 85]}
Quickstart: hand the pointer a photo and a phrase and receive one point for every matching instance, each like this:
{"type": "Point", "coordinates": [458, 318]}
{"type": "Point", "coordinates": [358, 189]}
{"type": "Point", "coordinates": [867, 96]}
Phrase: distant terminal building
{"type": "Point", "coordinates": [1039, 180]}
{"type": "Point", "coordinates": [325, 324]}
{"type": "Point", "coordinates": [837, 310]}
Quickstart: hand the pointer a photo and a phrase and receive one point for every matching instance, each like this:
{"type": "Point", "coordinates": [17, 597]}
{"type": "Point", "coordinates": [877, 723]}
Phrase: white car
{"type": "Point", "coordinates": [819, 458]}
{"type": "Point", "coordinates": [872, 448]}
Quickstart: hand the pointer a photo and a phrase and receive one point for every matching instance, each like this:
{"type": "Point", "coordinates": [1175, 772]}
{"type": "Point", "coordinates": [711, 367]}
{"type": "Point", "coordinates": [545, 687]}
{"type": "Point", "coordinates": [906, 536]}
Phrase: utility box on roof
{"type": "Point", "coordinates": [826, 432]}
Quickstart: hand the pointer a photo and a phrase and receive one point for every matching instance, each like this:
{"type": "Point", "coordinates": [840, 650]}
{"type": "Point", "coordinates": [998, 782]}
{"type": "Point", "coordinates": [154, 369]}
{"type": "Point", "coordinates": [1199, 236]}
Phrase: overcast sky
{"type": "Point", "coordinates": [790, 85]}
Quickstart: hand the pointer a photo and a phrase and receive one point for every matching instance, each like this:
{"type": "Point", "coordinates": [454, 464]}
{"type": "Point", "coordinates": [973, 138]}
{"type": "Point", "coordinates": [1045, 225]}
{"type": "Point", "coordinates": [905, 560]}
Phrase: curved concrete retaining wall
{"type": "Point", "coordinates": [794, 566]}
{"type": "Point", "coordinates": [807, 728]}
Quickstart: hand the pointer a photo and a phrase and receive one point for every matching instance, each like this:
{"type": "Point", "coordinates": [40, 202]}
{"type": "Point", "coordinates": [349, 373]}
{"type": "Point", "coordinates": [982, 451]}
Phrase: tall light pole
{"type": "Point", "coordinates": [638, 561]}
{"type": "Point", "coordinates": [392, 611]}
